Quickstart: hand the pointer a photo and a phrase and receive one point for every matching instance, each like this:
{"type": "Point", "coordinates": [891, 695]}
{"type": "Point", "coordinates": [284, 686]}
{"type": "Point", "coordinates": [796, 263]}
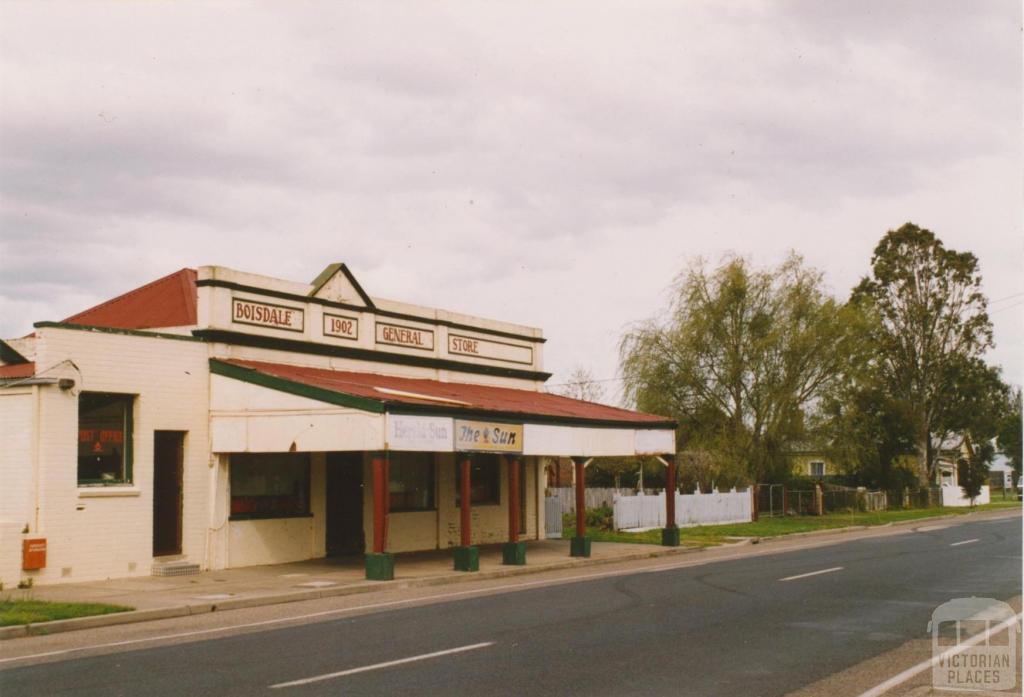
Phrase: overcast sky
{"type": "Point", "coordinates": [552, 164]}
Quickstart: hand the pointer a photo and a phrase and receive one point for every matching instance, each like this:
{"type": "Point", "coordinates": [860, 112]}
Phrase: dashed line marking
{"type": "Point", "coordinates": [812, 573]}
{"type": "Point", "coordinates": [385, 664]}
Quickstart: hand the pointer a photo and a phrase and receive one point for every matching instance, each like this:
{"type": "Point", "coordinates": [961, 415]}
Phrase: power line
{"type": "Point", "coordinates": [1007, 297]}
{"type": "Point", "coordinates": [1008, 307]}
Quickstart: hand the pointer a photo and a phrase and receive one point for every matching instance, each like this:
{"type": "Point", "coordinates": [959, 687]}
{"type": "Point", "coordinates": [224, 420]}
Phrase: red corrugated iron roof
{"type": "Point", "coordinates": [452, 396]}
{"type": "Point", "coordinates": [17, 370]}
{"type": "Point", "coordinates": [166, 302]}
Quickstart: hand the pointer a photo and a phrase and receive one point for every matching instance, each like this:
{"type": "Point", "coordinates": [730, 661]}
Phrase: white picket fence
{"type": "Point", "coordinates": [954, 496]}
{"type": "Point", "coordinates": [648, 511]}
{"type": "Point", "coordinates": [596, 497]}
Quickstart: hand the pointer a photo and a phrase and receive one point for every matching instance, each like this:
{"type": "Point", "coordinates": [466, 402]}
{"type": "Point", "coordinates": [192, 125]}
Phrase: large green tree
{"type": "Point", "coordinates": [932, 326]}
{"type": "Point", "coordinates": [737, 357]}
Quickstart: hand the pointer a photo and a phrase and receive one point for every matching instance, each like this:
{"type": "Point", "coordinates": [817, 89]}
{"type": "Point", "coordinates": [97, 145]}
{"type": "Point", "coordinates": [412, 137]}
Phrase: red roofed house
{"type": "Point", "coordinates": [215, 419]}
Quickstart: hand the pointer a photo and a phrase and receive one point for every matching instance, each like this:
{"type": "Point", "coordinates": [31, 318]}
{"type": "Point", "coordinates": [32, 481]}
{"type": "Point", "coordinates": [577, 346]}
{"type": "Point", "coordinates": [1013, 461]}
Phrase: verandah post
{"type": "Point", "coordinates": [466, 556]}
{"type": "Point", "coordinates": [514, 551]}
{"type": "Point", "coordinates": [670, 533]}
{"type": "Point", "coordinates": [380, 566]}
{"type": "Point", "coordinates": [580, 545]}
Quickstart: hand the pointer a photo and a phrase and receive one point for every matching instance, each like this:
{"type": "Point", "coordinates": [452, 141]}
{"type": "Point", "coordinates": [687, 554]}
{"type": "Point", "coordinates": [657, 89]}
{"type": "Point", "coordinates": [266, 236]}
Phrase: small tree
{"type": "Point", "coordinates": [582, 385]}
{"type": "Point", "coordinates": [1010, 434]}
{"type": "Point", "coordinates": [973, 471]}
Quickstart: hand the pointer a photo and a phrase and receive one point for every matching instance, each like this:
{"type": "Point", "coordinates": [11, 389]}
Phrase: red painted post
{"type": "Point", "coordinates": [670, 491]}
{"type": "Point", "coordinates": [581, 498]}
{"type": "Point", "coordinates": [380, 514]}
{"type": "Point", "coordinates": [513, 499]}
{"type": "Point", "coordinates": [464, 494]}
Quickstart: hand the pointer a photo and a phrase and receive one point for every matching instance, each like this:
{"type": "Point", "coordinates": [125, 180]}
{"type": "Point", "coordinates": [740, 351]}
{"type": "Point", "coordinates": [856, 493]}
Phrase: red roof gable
{"type": "Point", "coordinates": [17, 370]}
{"type": "Point", "coordinates": [166, 302]}
{"type": "Point", "coordinates": [451, 396]}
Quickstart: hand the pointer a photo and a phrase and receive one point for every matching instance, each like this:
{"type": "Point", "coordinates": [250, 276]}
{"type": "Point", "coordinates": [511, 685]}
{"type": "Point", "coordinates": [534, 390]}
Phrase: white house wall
{"type": "Point", "coordinates": [17, 467]}
{"type": "Point", "coordinates": [107, 532]}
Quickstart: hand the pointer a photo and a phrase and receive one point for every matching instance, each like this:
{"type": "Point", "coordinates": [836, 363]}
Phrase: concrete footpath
{"type": "Point", "coordinates": [163, 597]}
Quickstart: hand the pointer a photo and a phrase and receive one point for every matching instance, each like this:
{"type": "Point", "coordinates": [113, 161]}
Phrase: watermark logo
{"type": "Point", "coordinates": [974, 645]}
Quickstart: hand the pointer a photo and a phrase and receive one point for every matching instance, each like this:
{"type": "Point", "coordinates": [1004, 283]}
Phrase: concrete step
{"type": "Point", "coordinates": [176, 567]}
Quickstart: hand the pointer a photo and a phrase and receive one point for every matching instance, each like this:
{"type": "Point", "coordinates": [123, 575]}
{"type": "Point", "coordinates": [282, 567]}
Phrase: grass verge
{"type": "Point", "coordinates": [709, 535]}
{"type": "Point", "coordinates": [14, 612]}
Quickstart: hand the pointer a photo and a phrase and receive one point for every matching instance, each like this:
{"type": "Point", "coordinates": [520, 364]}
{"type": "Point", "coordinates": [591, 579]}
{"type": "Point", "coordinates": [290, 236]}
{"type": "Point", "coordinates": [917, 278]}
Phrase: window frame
{"type": "Point", "coordinates": [432, 459]}
{"type": "Point", "coordinates": [128, 447]}
{"type": "Point", "coordinates": [273, 515]}
{"type": "Point", "coordinates": [810, 467]}
{"type": "Point", "coordinates": [478, 460]}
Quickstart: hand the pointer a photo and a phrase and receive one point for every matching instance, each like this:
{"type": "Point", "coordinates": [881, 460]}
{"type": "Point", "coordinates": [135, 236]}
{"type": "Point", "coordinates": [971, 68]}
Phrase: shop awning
{"type": "Point", "coordinates": [412, 413]}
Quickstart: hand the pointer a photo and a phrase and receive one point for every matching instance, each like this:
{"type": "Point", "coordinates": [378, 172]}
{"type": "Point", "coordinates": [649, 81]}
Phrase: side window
{"type": "Point", "coordinates": [485, 480]}
{"type": "Point", "coordinates": [817, 468]}
{"type": "Point", "coordinates": [411, 485]}
{"type": "Point", "coordinates": [104, 439]}
{"type": "Point", "coordinates": [269, 485]}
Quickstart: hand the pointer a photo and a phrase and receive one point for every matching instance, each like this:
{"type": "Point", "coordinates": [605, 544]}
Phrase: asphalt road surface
{"type": "Point", "coordinates": [762, 625]}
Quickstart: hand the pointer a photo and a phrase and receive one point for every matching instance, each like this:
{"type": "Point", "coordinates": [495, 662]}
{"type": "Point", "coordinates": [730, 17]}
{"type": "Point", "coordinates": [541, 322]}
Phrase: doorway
{"type": "Point", "coordinates": [345, 504]}
{"type": "Point", "coordinates": [168, 460]}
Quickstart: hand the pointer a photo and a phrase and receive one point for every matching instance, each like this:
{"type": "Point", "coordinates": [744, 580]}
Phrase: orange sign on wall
{"type": "Point", "coordinates": [33, 554]}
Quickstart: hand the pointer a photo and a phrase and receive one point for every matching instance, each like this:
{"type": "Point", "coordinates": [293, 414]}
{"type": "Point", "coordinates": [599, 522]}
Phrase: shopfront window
{"type": "Point", "coordinates": [104, 439]}
{"type": "Point", "coordinates": [269, 485]}
{"type": "Point", "coordinates": [411, 481]}
{"type": "Point", "coordinates": [485, 478]}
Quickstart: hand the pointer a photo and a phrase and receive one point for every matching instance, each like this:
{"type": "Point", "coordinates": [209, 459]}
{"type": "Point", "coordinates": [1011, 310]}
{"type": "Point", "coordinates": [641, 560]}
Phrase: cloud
{"type": "Point", "coordinates": [553, 166]}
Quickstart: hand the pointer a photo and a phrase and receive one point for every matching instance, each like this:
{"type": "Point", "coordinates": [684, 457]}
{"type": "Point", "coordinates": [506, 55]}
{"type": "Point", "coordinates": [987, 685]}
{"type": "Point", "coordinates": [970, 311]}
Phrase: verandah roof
{"type": "Point", "coordinates": [387, 393]}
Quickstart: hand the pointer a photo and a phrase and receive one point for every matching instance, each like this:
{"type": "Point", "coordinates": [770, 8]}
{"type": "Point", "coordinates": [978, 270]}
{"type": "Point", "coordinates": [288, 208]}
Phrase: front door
{"type": "Point", "coordinates": [345, 504]}
{"type": "Point", "coordinates": [168, 457]}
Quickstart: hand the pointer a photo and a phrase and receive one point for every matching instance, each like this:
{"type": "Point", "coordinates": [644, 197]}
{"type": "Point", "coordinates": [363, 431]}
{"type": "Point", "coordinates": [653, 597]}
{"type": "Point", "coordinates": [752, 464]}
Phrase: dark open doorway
{"type": "Point", "coordinates": [168, 459]}
{"type": "Point", "coordinates": [345, 504]}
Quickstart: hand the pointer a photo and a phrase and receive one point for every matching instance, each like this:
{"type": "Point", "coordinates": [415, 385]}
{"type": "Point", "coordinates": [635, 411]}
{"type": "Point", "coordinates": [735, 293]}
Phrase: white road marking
{"type": "Point", "coordinates": [963, 542]}
{"type": "Point", "coordinates": [901, 678]}
{"type": "Point", "coordinates": [378, 666]}
{"type": "Point", "coordinates": [813, 573]}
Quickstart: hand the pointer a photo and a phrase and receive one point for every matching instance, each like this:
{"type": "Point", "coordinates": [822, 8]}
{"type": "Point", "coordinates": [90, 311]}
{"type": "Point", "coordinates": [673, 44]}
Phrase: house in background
{"type": "Point", "coordinates": [811, 462]}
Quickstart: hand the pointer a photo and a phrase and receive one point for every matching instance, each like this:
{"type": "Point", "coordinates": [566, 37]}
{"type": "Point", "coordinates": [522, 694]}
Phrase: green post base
{"type": "Point", "coordinates": [380, 567]}
{"type": "Point", "coordinates": [513, 553]}
{"type": "Point", "coordinates": [670, 537]}
{"type": "Point", "coordinates": [466, 558]}
{"type": "Point", "coordinates": [579, 547]}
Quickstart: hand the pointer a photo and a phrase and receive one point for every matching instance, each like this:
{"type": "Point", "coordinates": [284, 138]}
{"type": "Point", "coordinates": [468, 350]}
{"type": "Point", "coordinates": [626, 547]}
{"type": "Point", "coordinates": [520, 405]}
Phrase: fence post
{"type": "Point", "coordinates": [753, 503]}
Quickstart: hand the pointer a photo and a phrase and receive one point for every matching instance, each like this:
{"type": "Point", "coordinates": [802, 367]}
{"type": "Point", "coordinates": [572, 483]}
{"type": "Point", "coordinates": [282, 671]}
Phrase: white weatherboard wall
{"type": "Point", "coordinates": [107, 532]}
{"type": "Point", "coordinates": [954, 496]}
{"type": "Point", "coordinates": [691, 509]}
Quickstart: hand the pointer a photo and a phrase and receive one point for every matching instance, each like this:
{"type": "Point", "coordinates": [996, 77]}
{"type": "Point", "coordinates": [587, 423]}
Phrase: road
{"type": "Point", "coordinates": [764, 624]}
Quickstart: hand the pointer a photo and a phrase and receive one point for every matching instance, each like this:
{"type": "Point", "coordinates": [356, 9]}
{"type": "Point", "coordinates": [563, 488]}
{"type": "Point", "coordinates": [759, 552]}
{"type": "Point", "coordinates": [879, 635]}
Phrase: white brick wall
{"type": "Point", "coordinates": [17, 407]}
{"type": "Point", "coordinates": [107, 532]}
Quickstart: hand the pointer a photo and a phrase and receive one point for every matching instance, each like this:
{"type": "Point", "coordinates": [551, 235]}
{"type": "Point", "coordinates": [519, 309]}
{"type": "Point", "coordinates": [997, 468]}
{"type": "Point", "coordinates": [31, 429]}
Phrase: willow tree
{"type": "Point", "coordinates": [737, 357]}
{"type": "Point", "coordinates": [933, 326]}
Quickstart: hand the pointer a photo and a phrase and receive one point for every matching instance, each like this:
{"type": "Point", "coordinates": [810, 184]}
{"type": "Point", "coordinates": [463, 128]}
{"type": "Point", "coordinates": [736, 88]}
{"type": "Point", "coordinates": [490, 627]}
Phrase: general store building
{"type": "Point", "coordinates": [215, 418]}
